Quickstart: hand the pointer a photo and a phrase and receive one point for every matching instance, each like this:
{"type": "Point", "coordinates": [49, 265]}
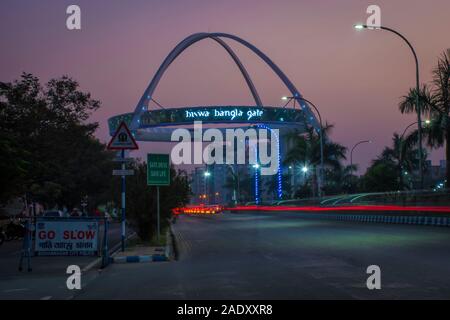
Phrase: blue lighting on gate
{"type": "Point", "coordinates": [256, 167]}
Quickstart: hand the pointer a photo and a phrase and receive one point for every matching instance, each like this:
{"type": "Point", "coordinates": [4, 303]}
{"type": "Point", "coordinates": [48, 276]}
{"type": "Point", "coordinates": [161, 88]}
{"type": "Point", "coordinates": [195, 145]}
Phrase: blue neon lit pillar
{"type": "Point", "coordinates": [256, 177]}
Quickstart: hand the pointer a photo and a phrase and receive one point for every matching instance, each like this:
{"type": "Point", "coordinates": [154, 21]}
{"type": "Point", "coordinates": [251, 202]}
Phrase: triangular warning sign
{"type": "Point", "coordinates": [122, 139]}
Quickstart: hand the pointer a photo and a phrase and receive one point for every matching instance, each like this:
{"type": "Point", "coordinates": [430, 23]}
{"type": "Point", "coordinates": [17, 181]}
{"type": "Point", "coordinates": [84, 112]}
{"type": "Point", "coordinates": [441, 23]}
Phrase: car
{"type": "Point", "coordinates": [53, 214]}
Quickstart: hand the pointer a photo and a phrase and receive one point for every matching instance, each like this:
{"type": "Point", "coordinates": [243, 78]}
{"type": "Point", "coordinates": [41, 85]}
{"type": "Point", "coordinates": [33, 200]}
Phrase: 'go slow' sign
{"type": "Point", "coordinates": [66, 237]}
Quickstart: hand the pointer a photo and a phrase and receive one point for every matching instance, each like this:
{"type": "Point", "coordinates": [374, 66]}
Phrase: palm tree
{"type": "Point", "coordinates": [401, 157]}
{"type": "Point", "coordinates": [435, 102]}
{"type": "Point", "coordinates": [271, 183]}
{"type": "Point", "coordinates": [239, 181]}
{"type": "Point", "coordinates": [305, 151]}
{"type": "Point", "coordinates": [341, 180]}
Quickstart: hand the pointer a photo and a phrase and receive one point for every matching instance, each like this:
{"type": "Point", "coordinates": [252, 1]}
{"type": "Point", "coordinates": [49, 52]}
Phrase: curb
{"type": "Point", "coordinates": [174, 243]}
{"type": "Point", "coordinates": [137, 259]}
{"type": "Point", "coordinates": [149, 258]}
{"type": "Point", "coordinates": [97, 262]}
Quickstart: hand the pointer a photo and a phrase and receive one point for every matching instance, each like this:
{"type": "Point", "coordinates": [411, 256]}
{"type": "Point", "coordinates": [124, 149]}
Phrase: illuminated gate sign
{"type": "Point", "coordinates": [66, 237]}
{"type": "Point", "coordinates": [213, 114]}
{"type": "Point", "coordinates": [245, 114]}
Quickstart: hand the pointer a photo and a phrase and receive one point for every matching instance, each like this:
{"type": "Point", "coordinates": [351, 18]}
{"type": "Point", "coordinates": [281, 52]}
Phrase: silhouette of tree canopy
{"type": "Point", "coordinates": [48, 149]}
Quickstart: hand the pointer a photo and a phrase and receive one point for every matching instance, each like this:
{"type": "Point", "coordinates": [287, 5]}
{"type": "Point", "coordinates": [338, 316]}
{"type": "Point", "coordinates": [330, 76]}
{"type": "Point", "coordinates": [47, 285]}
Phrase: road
{"type": "Point", "coordinates": [48, 278]}
{"type": "Point", "coordinates": [284, 256]}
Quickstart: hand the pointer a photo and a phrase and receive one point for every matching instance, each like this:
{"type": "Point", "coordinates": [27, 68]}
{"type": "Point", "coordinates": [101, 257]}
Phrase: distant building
{"type": "Point", "coordinates": [197, 182]}
{"type": "Point", "coordinates": [434, 175]}
{"type": "Point", "coordinates": [210, 189]}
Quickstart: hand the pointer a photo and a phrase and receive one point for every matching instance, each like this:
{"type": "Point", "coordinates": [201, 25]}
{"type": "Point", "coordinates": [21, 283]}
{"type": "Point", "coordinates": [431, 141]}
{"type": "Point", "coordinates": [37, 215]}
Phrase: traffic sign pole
{"type": "Point", "coordinates": [157, 214]}
{"type": "Point", "coordinates": [123, 140]}
{"type": "Point", "coordinates": [123, 202]}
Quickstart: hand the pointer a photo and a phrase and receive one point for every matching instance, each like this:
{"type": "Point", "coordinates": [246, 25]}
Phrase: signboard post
{"type": "Point", "coordinates": [158, 174]}
{"type": "Point", "coordinates": [123, 140]}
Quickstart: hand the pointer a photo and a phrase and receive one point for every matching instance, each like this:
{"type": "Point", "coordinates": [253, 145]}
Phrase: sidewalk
{"type": "Point", "coordinates": [145, 252]}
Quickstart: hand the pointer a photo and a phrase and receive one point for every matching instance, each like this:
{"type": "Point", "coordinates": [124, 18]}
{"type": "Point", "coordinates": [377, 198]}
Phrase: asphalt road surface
{"type": "Point", "coordinates": [284, 256]}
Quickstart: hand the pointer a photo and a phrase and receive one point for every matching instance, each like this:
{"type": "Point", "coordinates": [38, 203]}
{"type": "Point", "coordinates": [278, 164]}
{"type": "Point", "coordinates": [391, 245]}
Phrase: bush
{"type": "Point", "coordinates": [141, 200]}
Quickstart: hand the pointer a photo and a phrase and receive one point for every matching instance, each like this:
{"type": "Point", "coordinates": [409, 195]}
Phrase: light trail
{"type": "Point", "coordinates": [376, 208]}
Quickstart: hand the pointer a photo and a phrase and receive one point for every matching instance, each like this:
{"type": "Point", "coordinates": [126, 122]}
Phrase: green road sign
{"type": "Point", "coordinates": [158, 169]}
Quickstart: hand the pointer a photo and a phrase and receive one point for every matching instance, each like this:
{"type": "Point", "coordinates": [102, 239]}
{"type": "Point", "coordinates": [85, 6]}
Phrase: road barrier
{"type": "Point", "coordinates": [383, 219]}
{"type": "Point", "coordinates": [53, 236]}
{"type": "Point", "coordinates": [376, 218]}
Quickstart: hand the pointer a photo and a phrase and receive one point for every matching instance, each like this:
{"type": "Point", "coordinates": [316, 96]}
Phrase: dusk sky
{"type": "Point", "coordinates": [356, 78]}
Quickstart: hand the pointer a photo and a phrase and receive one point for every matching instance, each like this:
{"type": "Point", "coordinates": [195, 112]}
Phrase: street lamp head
{"type": "Point", "coordinates": [359, 26]}
{"type": "Point", "coordinates": [428, 121]}
{"type": "Point", "coordinates": [207, 174]}
{"type": "Point", "coordinates": [305, 169]}
{"type": "Point", "coordinates": [256, 166]}
{"type": "Point", "coordinates": [284, 98]}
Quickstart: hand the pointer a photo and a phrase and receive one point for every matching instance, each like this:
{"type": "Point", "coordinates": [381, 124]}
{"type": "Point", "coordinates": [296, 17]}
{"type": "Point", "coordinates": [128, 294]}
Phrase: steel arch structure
{"type": "Point", "coordinates": [156, 125]}
{"type": "Point", "coordinates": [144, 101]}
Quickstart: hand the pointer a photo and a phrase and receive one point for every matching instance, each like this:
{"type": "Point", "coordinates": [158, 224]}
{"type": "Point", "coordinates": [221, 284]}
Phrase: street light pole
{"type": "Point", "coordinates": [206, 174]}
{"type": "Point", "coordinates": [409, 126]}
{"type": "Point", "coordinates": [401, 147]}
{"type": "Point", "coordinates": [322, 177]}
{"type": "Point", "coordinates": [418, 108]}
{"type": "Point", "coordinates": [351, 152]}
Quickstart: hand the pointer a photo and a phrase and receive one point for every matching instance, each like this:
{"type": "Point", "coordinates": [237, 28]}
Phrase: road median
{"type": "Point", "coordinates": [141, 251]}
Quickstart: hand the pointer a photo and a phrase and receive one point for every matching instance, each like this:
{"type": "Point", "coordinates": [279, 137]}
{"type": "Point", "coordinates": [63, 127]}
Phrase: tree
{"type": "Point", "coordinates": [380, 177]}
{"type": "Point", "coordinates": [402, 157]}
{"type": "Point", "coordinates": [271, 183]}
{"type": "Point", "coordinates": [13, 168]}
{"type": "Point", "coordinates": [305, 151]}
{"type": "Point", "coordinates": [47, 136]}
{"type": "Point", "coordinates": [141, 199]}
{"type": "Point", "coordinates": [241, 181]}
{"type": "Point", "coordinates": [389, 170]}
{"type": "Point", "coordinates": [341, 180]}
{"type": "Point", "coordinates": [435, 102]}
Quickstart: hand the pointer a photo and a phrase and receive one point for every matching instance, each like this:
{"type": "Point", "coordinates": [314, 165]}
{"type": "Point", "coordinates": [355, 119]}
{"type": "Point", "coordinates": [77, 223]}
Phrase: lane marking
{"type": "Point", "coordinates": [46, 298]}
{"type": "Point", "coordinates": [16, 290]}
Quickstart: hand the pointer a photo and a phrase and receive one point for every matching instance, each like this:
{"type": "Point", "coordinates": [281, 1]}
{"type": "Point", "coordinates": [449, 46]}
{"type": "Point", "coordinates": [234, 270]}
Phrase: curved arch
{"type": "Point", "coordinates": [190, 40]}
{"type": "Point", "coordinates": [183, 45]}
{"type": "Point", "coordinates": [241, 67]}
